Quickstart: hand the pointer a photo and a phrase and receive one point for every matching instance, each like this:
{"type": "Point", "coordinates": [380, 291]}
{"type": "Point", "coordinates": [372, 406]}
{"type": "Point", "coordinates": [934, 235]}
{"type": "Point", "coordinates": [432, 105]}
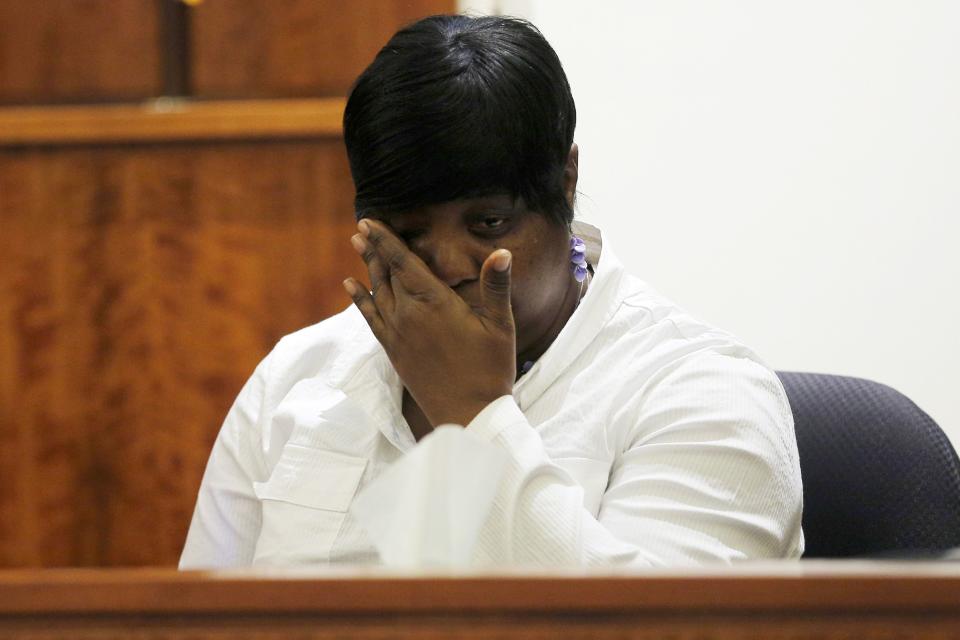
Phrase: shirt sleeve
{"type": "Point", "coordinates": [226, 520]}
{"type": "Point", "coordinates": [708, 472]}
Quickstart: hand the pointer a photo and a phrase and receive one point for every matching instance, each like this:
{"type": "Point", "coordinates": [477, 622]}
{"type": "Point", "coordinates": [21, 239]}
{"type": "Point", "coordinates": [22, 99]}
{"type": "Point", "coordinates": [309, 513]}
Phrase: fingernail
{"type": "Point", "coordinates": [502, 260]}
{"type": "Point", "coordinates": [350, 287]}
{"type": "Point", "coordinates": [364, 227]}
{"type": "Point", "coordinates": [358, 244]}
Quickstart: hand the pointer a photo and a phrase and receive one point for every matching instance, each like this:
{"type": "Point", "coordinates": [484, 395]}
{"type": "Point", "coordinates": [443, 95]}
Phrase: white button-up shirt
{"type": "Point", "coordinates": [642, 436]}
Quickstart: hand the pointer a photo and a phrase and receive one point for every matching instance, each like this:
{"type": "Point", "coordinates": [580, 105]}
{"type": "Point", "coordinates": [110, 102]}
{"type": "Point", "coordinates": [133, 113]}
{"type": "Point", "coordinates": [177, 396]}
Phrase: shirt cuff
{"type": "Point", "coordinates": [495, 417]}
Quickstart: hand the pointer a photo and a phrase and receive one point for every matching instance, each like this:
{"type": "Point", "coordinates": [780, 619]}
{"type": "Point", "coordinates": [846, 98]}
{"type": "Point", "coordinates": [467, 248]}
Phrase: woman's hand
{"type": "Point", "coordinates": [453, 359]}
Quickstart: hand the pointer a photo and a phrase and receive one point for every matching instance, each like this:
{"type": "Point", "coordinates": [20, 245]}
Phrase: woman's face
{"type": "Point", "coordinates": [454, 238]}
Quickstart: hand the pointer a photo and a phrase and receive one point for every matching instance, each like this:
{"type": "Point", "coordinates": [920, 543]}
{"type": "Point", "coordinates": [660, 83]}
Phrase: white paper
{"type": "Point", "coordinates": [426, 510]}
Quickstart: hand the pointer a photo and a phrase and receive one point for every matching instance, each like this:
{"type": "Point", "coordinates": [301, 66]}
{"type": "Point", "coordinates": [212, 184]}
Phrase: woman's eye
{"type": "Point", "coordinates": [492, 224]}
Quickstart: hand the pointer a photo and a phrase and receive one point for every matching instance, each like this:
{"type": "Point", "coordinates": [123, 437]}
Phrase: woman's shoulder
{"type": "Point", "coordinates": [327, 349]}
{"type": "Point", "coordinates": [643, 335]}
{"type": "Point", "coordinates": [640, 318]}
{"type": "Point", "coordinates": [653, 322]}
{"type": "Point", "coordinates": [656, 340]}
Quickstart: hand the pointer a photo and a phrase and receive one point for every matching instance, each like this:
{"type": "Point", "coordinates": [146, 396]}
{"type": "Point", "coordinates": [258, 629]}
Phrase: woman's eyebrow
{"type": "Point", "coordinates": [499, 203]}
{"type": "Point", "coordinates": [496, 209]}
{"type": "Point", "coordinates": [492, 207]}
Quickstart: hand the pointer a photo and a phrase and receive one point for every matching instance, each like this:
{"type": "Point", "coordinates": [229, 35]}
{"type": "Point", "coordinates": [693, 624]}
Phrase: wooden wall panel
{"type": "Point", "coordinates": [79, 50]}
{"type": "Point", "coordinates": [151, 255]}
{"type": "Point", "coordinates": [264, 48]}
{"type": "Point", "coordinates": [139, 287]}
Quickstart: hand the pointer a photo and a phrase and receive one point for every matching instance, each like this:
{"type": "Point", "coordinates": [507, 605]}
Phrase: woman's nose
{"type": "Point", "coordinates": [452, 264]}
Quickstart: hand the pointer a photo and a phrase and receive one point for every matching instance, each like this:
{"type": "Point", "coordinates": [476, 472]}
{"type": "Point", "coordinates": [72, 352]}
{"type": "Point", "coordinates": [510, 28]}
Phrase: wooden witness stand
{"type": "Point", "coordinates": [785, 600]}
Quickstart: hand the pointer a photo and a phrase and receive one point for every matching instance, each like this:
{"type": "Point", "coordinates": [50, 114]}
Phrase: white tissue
{"type": "Point", "coordinates": [428, 507]}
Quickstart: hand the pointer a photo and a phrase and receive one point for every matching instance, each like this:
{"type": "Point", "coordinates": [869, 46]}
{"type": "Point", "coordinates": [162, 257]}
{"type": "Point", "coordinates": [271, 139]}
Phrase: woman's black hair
{"type": "Point", "coordinates": [458, 107]}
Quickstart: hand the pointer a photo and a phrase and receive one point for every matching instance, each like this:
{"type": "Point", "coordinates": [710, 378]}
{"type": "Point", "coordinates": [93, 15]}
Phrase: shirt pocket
{"type": "Point", "coordinates": [592, 475]}
{"type": "Point", "coordinates": [304, 504]}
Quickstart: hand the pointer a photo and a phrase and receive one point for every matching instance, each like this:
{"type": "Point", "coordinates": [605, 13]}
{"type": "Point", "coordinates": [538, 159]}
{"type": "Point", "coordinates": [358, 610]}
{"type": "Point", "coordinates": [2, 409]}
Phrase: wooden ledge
{"type": "Point", "coordinates": [835, 589]}
{"type": "Point", "coordinates": [170, 120]}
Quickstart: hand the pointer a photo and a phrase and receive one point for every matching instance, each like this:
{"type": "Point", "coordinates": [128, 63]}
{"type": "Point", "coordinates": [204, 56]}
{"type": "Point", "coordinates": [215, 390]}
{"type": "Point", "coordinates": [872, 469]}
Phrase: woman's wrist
{"type": "Point", "coordinates": [464, 413]}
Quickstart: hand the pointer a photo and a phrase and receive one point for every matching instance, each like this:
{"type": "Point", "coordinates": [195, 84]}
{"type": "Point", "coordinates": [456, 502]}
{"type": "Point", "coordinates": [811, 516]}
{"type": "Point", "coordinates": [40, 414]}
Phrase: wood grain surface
{"type": "Point", "coordinates": [139, 286]}
{"type": "Point", "coordinates": [835, 600]}
{"type": "Point", "coordinates": [288, 48]}
{"type": "Point", "coordinates": [79, 50]}
{"type": "Point", "coordinates": [169, 120]}
{"type": "Point", "coordinates": [152, 252]}
{"type": "Point", "coordinates": [691, 626]}
{"type": "Point", "coordinates": [783, 586]}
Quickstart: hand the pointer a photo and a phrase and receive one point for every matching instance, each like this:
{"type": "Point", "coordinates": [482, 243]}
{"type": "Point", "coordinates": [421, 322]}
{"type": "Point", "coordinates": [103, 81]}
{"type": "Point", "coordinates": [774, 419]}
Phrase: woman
{"type": "Point", "coordinates": [618, 429]}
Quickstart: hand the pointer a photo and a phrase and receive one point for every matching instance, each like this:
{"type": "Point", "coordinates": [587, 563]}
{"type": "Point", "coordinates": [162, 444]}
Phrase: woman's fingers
{"type": "Point", "coordinates": [368, 308]}
{"type": "Point", "coordinates": [379, 276]}
{"type": "Point", "coordinates": [495, 288]}
{"type": "Point", "coordinates": [399, 262]}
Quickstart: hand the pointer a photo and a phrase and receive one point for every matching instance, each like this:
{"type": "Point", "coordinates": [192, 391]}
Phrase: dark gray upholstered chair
{"type": "Point", "coordinates": [879, 476]}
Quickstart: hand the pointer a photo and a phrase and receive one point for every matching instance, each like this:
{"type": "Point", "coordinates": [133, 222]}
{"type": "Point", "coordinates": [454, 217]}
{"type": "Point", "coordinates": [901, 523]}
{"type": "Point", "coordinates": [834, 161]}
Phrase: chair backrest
{"type": "Point", "coordinates": [879, 476]}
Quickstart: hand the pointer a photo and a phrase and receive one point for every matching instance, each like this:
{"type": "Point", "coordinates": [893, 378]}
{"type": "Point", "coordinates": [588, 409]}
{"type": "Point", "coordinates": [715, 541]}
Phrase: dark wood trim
{"type": "Point", "coordinates": [175, 47]}
{"type": "Point", "coordinates": [169, 120]}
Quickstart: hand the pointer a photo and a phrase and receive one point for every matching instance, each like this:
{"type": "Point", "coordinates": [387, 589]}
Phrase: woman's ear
{"type": "Point", "coordinates": [571, 173]}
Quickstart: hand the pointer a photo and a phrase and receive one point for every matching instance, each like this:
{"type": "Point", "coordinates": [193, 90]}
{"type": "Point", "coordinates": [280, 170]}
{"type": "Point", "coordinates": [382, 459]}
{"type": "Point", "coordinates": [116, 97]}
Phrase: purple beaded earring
{"type": "Point", "coordinates": [578, 258]}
